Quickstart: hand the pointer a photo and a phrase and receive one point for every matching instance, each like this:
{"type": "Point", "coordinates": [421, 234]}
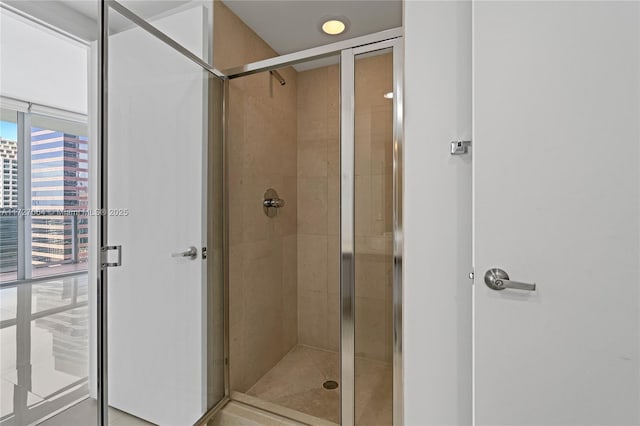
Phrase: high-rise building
{"type": "Point", "coordinates": [9, 173]}
{"type": "Point", "coordinates": [8, 201]}
{"type": "Point", "coordinates": [59, 182]}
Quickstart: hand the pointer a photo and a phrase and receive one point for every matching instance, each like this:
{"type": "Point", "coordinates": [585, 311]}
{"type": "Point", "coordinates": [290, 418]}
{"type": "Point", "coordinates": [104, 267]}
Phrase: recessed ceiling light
{"type": "Point", "coordinates": [334, 26]}
{"type": "Point", "coordinates": [388, 95]}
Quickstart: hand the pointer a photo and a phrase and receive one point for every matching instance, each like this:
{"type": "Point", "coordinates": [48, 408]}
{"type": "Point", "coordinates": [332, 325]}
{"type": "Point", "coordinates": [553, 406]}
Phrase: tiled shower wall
{"type": "Point", "coordinates": [319, 207]}
{"type": "Point", "coordinates": [284, 271]}
{"type": "Point", "coordinates": [262, 154]}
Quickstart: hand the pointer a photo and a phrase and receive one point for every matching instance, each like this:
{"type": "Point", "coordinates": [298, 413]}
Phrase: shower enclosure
{"type": "Point", "coordinates": [303, 209]}
{"type": "Point", "coordinates": [246, 237]}
{"type": "Point", "coordinates": [314, 284]}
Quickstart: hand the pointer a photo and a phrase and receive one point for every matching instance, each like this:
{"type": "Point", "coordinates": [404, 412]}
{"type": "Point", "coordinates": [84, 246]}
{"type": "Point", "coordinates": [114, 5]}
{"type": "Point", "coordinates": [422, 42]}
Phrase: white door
{"type": "Point", "coordinates": [157, 138]}
{"type": "Point", "coordinates": [557, 197]}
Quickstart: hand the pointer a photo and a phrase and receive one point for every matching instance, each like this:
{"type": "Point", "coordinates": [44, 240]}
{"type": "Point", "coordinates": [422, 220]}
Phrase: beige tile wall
{"type": "Point", "coordinates": [262, 152]}
{"type": "Point", "coordinates": [284, 271]}
{"type": "Point", "coordinates": [319, 208]}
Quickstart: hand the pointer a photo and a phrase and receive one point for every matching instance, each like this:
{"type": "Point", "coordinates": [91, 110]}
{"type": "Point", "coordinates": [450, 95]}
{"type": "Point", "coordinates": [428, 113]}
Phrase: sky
{"type": "Point", "coordinates": [8, 130]}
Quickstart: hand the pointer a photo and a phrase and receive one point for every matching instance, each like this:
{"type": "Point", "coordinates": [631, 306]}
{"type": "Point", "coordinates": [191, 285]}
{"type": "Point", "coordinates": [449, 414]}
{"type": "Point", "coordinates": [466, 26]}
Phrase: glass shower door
{"type": "Point", "coordinates": [371, 228]}
{"type": "Point", "coordinates": [373, 134]}
{"type": "Point", "coordinates": [163, 223]}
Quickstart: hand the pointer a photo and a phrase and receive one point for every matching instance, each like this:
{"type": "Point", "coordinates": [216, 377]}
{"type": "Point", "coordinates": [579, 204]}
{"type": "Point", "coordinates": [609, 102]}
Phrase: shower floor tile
{"type": "Point", "coordinates": [296, 383]}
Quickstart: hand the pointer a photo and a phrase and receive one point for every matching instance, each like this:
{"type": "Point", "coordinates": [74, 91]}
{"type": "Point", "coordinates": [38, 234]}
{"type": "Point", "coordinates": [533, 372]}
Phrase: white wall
{"type": "Point", "coordinates": [41, 66]}
{"type": "Point", "coordinates": [437, 223]}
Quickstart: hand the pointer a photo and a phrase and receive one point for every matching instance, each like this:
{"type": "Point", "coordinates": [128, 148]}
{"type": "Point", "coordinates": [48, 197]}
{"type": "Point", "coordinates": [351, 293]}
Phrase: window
{"type": "Point", "coordinates": [8, 195]}
{"type": "Point", "coordinates": [50, 202]}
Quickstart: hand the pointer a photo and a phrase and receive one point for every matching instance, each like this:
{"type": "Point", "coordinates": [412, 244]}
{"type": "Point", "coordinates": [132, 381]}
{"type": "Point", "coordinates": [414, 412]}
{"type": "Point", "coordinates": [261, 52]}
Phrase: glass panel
{"type": "Point", "coordinates": [44, 335]}
{"type": "Point", "coordinates": [55, 293]}
{"type": "Point", "coordinates": [284, 285]}
{"type": "Point", "coordinates": [165, 306]}
{"type": "Point", "coordinates": [163, 14]}
{"type": "Point", "coordinates": [46, 326]}
{"type": "Point", "coordinates": [373, 244]}
{"type": "Point", "coordinates": [234, 41]}
{"type": "Point", "coordinates": [8, 195]}
{"type": "Point", "coordinates": [59, 196]}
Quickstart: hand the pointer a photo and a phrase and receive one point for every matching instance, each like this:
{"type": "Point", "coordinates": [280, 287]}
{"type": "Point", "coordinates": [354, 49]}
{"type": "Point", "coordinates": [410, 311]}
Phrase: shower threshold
{"type": "Point", "coordinates": [288, 415]}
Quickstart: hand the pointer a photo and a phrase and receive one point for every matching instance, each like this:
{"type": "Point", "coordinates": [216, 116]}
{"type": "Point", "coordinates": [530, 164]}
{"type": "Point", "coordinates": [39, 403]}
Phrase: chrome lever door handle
{"type": "Point", "coordinates": [191, 253]}
{"type": "Point", "coordinates": [502, 284]}
{"type": "Point", "coordinates": [498, 279]}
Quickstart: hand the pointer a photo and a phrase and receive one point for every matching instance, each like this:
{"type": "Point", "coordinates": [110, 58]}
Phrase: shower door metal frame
{"type": "Point", "coordinates": [347, 50]}
{"type": "Point", "coordinates": [347, 238]}
{"type": "Point", "coordinates": [347, 227]}
{"type": "Point", "coordinates": [105, 6]}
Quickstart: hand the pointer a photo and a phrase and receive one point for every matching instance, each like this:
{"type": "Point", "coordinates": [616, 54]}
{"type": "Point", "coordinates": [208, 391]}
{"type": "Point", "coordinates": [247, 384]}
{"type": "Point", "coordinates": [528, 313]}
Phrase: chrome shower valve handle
{"type": "Point", "coordinates": [271, 202]}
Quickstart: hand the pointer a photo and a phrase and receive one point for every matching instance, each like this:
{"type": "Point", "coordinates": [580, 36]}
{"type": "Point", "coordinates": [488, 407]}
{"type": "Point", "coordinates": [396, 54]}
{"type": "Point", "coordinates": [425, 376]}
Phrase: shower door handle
{"type": "Point", "coordinates": [191, 253]}
{"type": "Point", "coordinates": [497, 279]}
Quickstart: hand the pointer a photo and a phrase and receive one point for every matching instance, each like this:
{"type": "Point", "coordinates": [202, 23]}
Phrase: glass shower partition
{"type": "Point", "coordinates": [373, 136]}
{"type": "Point", "coordinates": [162, 218]}
{"type": "Point", "coordinates": [371, 234]}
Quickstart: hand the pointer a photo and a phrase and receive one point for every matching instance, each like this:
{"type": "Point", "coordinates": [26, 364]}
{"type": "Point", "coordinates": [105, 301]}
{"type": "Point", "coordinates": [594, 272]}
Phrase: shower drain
{"type": "Point", "coordinates": [330, 384]}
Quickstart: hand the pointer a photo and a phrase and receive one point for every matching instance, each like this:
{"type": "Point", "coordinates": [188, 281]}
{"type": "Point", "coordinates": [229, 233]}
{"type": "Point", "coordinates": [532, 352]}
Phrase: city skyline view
{"type": "Point", "coordinates": [58, 185]}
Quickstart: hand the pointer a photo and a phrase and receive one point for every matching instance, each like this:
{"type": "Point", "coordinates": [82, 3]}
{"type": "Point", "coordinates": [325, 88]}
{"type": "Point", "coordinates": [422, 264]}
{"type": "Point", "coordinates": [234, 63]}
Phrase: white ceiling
{"type": "Point", "coordinates": [286, 25]}
{"type": "Point", "coordinates": [293, 25]}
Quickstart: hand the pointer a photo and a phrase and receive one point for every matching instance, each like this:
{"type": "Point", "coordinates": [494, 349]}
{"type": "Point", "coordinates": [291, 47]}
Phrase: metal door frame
{"type": "Point", "coordinates": [102, 197]}
{"type": "Point", "coordinates": [347, 227]}
{"type": "Point", "coordinates": [347, 49]}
